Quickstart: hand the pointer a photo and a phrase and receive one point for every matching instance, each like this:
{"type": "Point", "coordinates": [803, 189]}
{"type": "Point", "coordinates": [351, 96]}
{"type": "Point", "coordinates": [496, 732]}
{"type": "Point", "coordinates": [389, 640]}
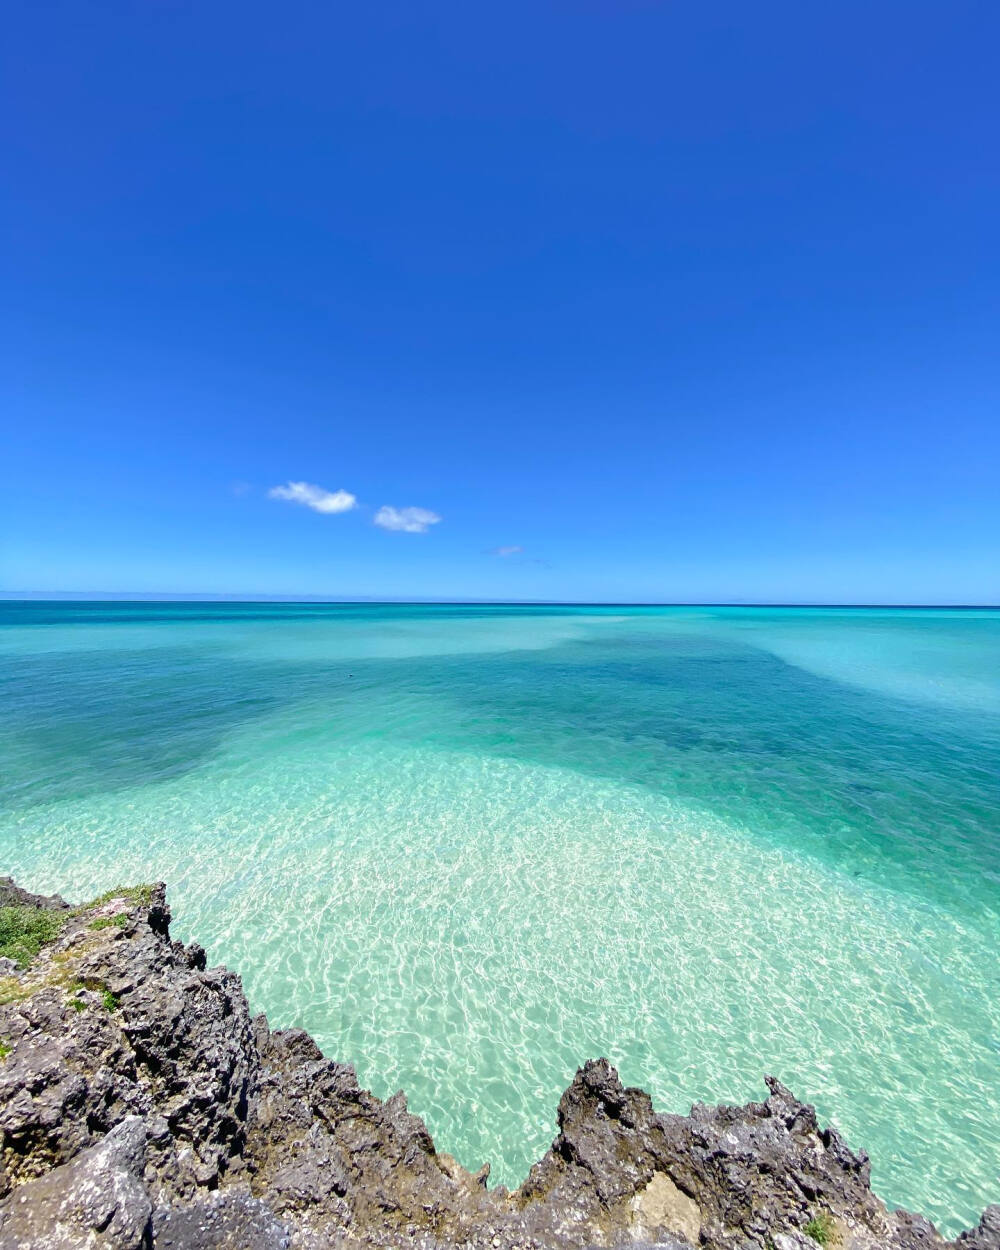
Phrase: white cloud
{"type": "Point", "coordinates": [406, 520]}
{"type": "Point", "coordinates": [506, 551]}
{"type": "Point", "coordinates": [314, 497]}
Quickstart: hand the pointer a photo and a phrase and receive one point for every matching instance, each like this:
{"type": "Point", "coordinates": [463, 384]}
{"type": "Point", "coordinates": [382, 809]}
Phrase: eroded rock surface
{"type": "Point", "coordinates": [142, 1109]}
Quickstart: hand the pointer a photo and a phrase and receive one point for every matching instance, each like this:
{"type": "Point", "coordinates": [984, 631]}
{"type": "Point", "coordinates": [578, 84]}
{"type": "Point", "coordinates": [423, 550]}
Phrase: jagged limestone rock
{"type": "Point", "coordinates": [97, 1202]}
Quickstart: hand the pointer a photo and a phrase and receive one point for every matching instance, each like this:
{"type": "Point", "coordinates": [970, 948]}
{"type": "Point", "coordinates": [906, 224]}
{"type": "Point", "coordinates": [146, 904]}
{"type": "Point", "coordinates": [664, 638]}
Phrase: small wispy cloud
{"type": "Point", "coordinates": [506, 551]}
{"type": "Point", "coordinates": [406, 520]}
{"type": "Point", "coordinates": [315, 497]}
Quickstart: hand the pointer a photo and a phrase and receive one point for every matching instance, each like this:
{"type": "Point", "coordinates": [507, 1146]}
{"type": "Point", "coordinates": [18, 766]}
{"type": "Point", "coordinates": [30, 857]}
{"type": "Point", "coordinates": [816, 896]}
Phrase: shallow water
{"type": "Point", "coordinates": [468, 848]}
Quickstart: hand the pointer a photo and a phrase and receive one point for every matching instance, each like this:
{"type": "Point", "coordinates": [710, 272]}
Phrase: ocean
{"type": "Point", "coordinates": [469, 847]}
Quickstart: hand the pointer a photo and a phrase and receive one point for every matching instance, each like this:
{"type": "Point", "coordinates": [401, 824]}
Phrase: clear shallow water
{"type": "Point", "coordinates": [470, 847]}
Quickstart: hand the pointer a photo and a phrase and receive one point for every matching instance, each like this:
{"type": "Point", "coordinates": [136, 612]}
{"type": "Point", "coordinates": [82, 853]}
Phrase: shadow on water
{"type": "Point", "coordinates": [79, 724]}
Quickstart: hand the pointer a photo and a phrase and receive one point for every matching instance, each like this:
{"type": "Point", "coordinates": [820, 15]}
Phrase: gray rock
{"type": "Point", "coordinates": [157, 1036]}
{"type": "Point", "coordinates": [11, 895]}
{"type": "Point", "coordinates": [97, 1202]}
{"type": "Point", "coordinates": [986, 1236]}
{"type": "Point", "coordinates": [230, 1220]}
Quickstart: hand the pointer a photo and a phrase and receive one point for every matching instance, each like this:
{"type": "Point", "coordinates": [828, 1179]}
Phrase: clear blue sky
{"type": "Point", "coordinates": [686, 301]}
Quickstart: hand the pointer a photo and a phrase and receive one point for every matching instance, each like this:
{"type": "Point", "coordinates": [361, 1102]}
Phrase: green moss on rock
{"type": "Point", "coordinates": [25, 930]}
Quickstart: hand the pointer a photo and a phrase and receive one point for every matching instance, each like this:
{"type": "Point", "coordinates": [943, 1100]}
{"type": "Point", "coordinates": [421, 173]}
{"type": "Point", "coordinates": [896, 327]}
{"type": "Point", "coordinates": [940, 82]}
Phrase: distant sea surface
{"type": "Point", "coordinates": [470, 847]}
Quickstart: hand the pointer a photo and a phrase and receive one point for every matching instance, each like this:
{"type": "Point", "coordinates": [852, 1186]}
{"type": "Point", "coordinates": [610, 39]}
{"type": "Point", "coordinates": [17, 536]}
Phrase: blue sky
{"type": "Point", "coordinates": [666, 301]}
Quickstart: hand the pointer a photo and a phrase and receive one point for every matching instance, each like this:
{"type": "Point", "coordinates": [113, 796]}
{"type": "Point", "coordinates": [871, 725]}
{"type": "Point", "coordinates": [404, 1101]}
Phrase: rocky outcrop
{"type": "Point", "coordinates": [11, 895]}
{"type": "Point", "coordinates": [141, 1108]}
{"type": "Point", "coordinates": [102, 1192]}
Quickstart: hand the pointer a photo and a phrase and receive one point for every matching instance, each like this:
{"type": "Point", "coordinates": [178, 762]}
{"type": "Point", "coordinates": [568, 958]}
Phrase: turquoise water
{"type": "Point", "coordinates": [470, 847]}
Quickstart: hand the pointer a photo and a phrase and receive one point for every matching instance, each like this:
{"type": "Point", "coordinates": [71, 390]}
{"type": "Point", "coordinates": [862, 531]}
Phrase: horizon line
{"type": "Point", "coordinates": [98, 596]}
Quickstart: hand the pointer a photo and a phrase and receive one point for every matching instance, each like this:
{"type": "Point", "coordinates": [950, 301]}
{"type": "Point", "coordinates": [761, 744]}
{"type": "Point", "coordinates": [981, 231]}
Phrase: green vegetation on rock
{"type": "Point", "coordinates": [107, 922]}
{"type": "Point", "coordinates": [820, 1228]}
{"type": "Point", "coordinates": [142, 894]}
{"type": "Point", "coordinates": [25, 930]}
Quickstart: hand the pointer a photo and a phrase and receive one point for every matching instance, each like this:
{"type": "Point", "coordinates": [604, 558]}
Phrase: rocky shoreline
{"type": "Point", "coordinates": [142, 1108]}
